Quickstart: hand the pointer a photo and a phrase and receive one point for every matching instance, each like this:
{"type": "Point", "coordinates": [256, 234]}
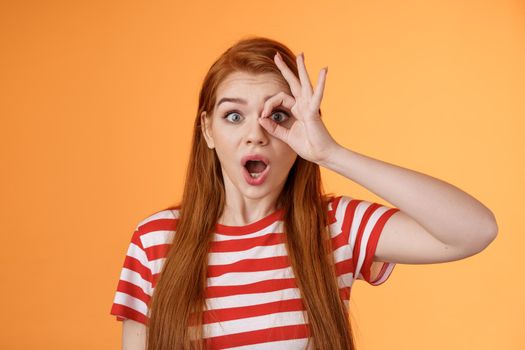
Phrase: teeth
{"type": "Point", "coordinates": [255, 175]}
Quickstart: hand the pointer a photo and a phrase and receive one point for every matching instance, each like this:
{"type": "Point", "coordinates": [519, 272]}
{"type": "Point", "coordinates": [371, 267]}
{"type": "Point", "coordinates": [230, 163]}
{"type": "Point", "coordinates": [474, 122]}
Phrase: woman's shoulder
{"type": "Point", "coordinates": [162, 220]}
{"type": "Point", "coordinates": [155, 230]}
{"type": "Point", "coordinates": [335, 201]}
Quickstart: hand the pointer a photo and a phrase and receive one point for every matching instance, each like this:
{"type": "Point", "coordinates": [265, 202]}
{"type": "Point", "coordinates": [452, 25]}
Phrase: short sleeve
{"type": "Point", "coordinates": [134, 288]}
{"type": "Point", "coordinates": [364, 222]}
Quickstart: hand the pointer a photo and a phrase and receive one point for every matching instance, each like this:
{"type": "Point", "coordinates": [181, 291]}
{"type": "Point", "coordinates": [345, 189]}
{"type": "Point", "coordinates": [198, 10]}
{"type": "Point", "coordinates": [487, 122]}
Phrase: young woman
{"type": "Point", "coordinates": [256, 256]}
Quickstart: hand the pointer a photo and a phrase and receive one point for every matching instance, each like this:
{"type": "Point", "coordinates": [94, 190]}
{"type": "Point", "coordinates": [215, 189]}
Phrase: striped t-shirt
{"type": "Point", "coordinates": [252, 296]}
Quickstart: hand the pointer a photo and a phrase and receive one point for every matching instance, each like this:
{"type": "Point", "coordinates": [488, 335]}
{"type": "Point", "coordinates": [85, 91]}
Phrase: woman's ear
{"type": "Point", "coordinates": [205, 126]}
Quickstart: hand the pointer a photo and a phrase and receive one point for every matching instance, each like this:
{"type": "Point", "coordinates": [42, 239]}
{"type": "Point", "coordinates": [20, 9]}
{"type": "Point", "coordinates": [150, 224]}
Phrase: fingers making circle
{"type": "Point", "coordinates": [280, 99]}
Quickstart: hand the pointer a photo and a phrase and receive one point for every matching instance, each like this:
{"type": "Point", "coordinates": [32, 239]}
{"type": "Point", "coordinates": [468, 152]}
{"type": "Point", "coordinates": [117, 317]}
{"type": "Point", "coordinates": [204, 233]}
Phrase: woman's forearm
{"type": "Point", "coordinates": [448, 213]}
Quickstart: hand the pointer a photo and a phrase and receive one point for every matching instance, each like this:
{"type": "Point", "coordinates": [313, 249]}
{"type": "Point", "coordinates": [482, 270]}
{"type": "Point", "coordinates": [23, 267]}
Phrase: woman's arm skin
{"type": "Point", "coordinates": [133, 335]}
{"type": "Point", "coordinates": [437, 222]}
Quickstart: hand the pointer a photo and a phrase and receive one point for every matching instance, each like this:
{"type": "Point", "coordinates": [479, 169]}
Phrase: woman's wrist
{"type": "Point", "coordinates": [331, 155]}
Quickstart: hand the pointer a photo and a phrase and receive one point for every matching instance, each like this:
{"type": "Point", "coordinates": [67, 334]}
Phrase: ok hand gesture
{"type": "Point", "coordinates": [307, 136]}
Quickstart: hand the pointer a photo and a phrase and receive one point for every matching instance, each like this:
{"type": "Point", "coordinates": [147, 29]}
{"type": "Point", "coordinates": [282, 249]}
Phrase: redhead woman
{"type": "Point", "coordinates": [256, 255]}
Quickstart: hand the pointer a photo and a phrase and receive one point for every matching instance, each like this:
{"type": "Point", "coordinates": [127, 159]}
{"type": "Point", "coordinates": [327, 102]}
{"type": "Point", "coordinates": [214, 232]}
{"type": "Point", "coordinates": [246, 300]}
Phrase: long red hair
{"type": "Point", "coordinates": [178, 299]}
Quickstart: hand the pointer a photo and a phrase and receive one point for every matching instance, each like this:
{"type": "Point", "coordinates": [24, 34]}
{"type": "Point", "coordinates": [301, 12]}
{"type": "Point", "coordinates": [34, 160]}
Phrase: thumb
{"type": "Point", "coordinates": [274, 129]}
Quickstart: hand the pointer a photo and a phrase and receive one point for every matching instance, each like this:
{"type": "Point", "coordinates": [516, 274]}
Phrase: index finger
{"type": "Point", "coordinates": [293, 82]}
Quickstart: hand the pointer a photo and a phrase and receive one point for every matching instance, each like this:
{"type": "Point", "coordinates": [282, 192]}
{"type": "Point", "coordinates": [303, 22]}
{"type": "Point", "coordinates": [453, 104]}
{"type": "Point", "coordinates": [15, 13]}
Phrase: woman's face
{"type": "Point", "coordinates": [234, 131]}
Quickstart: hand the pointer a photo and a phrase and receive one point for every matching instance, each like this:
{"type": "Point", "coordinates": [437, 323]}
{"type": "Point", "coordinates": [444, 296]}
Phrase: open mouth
{"type": "Point", "coordinates": [255, 167]}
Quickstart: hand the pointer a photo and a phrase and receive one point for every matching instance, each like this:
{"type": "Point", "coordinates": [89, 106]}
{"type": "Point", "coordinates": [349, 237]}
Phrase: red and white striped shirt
{"type": "Point", "coordinates": [251, 292]}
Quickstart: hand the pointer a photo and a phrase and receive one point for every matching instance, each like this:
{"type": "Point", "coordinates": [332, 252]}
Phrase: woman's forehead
{"type": "Point", "coordinates": [238, 81]}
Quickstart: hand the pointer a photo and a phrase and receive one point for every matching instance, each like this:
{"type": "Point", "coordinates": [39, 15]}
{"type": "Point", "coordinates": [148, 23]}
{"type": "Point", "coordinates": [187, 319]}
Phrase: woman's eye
{"type": "Point", "coordinates": [235, 119]}
{"type": "Point", "coordinates": [283, 116]}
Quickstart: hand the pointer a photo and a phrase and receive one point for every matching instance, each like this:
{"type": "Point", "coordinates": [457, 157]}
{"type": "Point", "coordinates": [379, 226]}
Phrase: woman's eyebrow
{"type": "Point", "coordinates": [237, 100]}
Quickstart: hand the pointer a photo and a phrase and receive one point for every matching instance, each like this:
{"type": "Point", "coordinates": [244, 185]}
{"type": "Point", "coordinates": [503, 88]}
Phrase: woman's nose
{"type": "Point", "coordinates": [255, 132]}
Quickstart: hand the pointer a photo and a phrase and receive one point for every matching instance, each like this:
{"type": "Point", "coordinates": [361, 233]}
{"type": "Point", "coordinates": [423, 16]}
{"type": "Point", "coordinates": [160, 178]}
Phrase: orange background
{"type": "Point", "coordinates": [97, 100]}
